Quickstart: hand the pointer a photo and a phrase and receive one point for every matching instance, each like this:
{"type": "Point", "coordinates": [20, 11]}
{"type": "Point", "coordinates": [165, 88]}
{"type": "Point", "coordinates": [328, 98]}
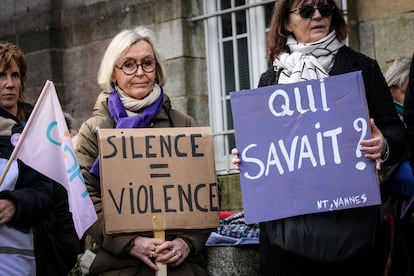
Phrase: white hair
{"type": "Point", "coordinates": [119, 46]}
{"type": "Point", "coordinates": [398, 72]}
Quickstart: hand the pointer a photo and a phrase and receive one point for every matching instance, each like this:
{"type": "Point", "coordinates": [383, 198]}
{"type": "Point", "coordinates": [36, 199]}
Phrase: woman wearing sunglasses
{"type": "Point", "coordinates": [306, 41]}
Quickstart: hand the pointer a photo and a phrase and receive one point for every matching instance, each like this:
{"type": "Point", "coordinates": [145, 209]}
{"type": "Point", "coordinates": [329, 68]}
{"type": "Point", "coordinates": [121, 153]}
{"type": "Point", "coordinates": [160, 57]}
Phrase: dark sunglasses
{"type": "Point", "coordinates": [307, 11]}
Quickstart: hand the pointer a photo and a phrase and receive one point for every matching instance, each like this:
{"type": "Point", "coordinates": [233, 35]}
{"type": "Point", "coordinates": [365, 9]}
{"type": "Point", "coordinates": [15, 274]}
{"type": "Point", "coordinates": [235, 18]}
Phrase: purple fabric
{"type": "Point", "coordinates": [406, 205]}
{"type": "Point", "coordinates": [402, 183]}
{"type": "Point", "coordinates": [120, 116]}
{"type": "Point", "coordinates": [118, 113]}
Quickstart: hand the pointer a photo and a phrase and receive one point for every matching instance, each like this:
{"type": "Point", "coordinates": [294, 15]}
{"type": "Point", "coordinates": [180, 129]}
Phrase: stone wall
{"type": "Point", "coordinates": [385, 29]}
{"type": "Point", "coordinates": [231, 200]}
{"type": "Point", "coordinates": [65, 40]}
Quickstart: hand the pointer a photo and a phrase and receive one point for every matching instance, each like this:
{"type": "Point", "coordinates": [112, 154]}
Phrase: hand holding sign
{"type": "Point", "coordinates": [159, 171]}
{"type": "Point", "coordinates": [173, 252]}
{"type": "Point", "coordinates": [375, 148]}
{"type": "Point", "coordinates": [360, 125]}
{"type": "Point", "coordinates": [236, 160]}
{"type": "Point", "coordinates": [144, 249]}
{"type": "Point", "coordinates": [308, 135]}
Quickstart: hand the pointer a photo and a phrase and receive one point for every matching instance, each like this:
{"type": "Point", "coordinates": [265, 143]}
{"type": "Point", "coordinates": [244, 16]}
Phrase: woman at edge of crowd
{"type": "Point", "coordinates": [399, 184]}
{"type": "Point", "coordinates": [25, 195]}
{"type": "Point", "coordinates": [306, 41]}
{"type": "Point", "coordinates": [409, 112]}
{"type": "Point", "coordinates": [397, 79]}
{"type": "Point", "coordinates": [132, 76]}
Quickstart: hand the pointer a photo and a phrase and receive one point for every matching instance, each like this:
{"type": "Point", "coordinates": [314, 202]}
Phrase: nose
{"type": "Point", "coordinates": [9, 82]}
{"type": "Point", "coordinates": [316, 13]}
{"type": "Point", "coordinates": [140, 70]}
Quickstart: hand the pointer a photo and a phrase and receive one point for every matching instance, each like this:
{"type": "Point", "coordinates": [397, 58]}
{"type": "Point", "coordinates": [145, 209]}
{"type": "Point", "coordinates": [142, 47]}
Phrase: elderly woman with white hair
{"type": "Point", "coordinates": [397, 80]}
{"type": "Point", "coordinates": [132, 78]}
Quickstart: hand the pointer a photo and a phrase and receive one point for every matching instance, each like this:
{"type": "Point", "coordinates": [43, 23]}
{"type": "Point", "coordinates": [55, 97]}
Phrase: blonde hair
{"type": "Point", "coordinates": [118, 46]}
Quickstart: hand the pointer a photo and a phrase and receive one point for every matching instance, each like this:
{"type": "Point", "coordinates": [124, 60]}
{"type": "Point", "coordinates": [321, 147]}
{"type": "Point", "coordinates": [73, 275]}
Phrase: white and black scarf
{"type": "Point", "coordinates": [307, 61]}
{"type": "Point", "coordinates": [135, 106]}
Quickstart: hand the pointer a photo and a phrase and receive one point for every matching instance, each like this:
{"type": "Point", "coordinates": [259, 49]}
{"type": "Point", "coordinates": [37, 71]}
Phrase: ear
{"type": "Point", "coordinates": [287, 27]}
{"type": "Point", "coordinates": [113, 80]}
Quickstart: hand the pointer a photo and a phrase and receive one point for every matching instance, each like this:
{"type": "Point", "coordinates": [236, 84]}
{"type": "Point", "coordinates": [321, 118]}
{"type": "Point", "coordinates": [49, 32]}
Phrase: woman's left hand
{"type": "Point", "coordinates": [236, 159]}
{"type": "Point", "coordinates": [172, 252]}
{"type": "Point", "coordinates": [7, 210]}
{"type": "Point", "coordinates": [376, 146]}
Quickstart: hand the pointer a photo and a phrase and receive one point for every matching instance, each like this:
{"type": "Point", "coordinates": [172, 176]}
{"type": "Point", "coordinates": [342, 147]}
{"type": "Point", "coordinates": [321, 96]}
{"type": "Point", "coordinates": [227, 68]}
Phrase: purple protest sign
{"type": "Point", "coordinates": [299, 148]}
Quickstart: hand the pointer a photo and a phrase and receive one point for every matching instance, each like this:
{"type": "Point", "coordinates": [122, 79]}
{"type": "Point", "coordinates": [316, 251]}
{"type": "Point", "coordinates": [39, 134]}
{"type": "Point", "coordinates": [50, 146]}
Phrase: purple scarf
{"type": "Point", "coordinates": [120, 116]}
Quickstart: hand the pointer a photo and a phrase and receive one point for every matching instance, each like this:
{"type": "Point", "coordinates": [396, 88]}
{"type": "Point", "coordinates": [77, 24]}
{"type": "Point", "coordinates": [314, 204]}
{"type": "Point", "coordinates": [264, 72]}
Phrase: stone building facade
{"type": "Point", "coordinates": [64, 41]}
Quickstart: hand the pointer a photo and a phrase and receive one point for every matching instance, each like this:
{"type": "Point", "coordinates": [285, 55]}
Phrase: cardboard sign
{"type": "Point", "coordinates": [148, 172]}
{"type": "Point", "coordinates": [299, 148]}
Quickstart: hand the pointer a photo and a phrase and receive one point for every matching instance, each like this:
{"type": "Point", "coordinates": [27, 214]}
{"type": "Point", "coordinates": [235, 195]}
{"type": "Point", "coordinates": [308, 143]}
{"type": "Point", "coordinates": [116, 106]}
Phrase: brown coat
{"type": "Point", "coordinates": [112, 251]}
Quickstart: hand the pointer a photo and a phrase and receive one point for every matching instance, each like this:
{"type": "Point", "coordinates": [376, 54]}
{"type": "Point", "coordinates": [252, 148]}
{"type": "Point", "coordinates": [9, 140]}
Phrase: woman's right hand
{"type": "Point", "coordinates": [144, 249]}
{"type": "Point", "coordinates": [236, 160]}
{"type": "Point", "coordinates": [7, 210]}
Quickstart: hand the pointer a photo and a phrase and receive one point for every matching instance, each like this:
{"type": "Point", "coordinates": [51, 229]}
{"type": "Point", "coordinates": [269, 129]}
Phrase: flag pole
{"type": "Point", "coordinates": [6, 169]}
{"type": "Point", "coordinates": [21, 138]}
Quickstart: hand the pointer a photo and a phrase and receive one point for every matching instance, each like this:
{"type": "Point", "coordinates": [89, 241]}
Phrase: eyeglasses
{"type": "Point", "coordinates": [307, 11]}
{"type": "Point", "coordinates": [130, 67]}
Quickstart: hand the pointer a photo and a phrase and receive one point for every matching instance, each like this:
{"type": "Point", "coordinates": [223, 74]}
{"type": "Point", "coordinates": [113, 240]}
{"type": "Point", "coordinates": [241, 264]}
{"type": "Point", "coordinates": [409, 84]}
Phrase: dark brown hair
{"type": "Point", "coordinates": [277, 35]}
{"type": "Point", "coordinates": [9, 52]}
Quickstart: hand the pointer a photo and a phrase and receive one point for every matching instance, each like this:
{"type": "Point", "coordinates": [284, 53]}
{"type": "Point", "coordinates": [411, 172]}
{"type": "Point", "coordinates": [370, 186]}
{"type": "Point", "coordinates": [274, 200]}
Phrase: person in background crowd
{"type": "Point", "coordinates": [132, 77]}
{"type": "Point", "coordinates": [409, 112]}
{"type": "Point", "coordinates": [408, 115]}
{"type": "Point", "coordinates": [400, 178]}
{"type": "Point", "coordinates": [306, 41]}
{"type": "Point", "coordinates": [73, 132]}
{"type": "Point", "coordinates": [397, 80]}
{"type": "Point", "coordinates": [26, 196]}
{"type": "Point", "coordinates": [56, 244]}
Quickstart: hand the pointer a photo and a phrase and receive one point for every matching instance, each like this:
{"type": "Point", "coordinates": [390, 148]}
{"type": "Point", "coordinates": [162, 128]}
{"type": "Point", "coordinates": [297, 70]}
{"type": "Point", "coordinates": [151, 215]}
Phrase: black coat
{"type": "Point", "coordinates": [32, 197]}
{"type": "Point", "coordinates": [274, 260]}
{"type": "Point", "coordinates": [43, 205]}
{"type": "Point", "coordinates": [409, 113]}
{"type": "Point", "coordinates": [56, 242]}
{"type": "Point", "coordinates": [33, 192]}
